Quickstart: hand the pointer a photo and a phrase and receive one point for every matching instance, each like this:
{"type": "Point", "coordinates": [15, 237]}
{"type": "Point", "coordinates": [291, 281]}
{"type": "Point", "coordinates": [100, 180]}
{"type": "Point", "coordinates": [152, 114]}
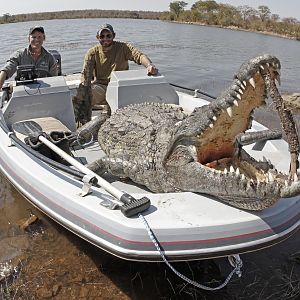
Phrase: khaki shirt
{"type": "Point", "coordinates": [98, 65]}
{"type": "Point", "coordinates": [46, 62]}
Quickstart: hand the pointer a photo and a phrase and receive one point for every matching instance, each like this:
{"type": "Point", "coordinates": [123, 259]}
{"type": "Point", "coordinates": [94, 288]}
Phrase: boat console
{"type": "Point", "coordinates": [42, 97]}
{"type": "Point", "coordinates": [45, 101]}
{"type": "Point", "coordinates": [135, 86]}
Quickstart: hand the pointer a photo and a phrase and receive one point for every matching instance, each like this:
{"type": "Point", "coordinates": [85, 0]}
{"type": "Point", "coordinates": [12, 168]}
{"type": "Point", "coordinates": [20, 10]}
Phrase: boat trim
{"type": "Point", "coordinates": [125, 248]}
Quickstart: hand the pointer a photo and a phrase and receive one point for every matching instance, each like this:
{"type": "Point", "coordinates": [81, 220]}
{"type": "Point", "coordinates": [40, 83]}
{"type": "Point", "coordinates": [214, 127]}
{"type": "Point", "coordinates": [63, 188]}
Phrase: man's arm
{"type": "Point", "coordinates": [53, 68]}
{"type": "Point", "coordinates": [146, 62]}
{"type": "Point", "coordinates": [140, 58]}
{"type": "Point", "coordinates": [3, 76]}
{"type": "Point", "coordinates": [11, 64]}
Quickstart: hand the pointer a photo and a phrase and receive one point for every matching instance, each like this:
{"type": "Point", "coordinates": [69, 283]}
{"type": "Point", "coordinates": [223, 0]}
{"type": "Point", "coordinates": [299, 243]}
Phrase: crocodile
{"type": "Point", "coordinates": [168, 150]}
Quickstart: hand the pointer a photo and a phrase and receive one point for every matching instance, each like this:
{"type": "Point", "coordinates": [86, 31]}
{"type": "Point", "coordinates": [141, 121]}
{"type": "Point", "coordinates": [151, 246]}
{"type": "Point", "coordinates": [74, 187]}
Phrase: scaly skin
{"type": "Point", "coordinates": [166, 150]}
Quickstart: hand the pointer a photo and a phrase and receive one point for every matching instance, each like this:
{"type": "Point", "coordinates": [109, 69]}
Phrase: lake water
{"type": "Point", "coordinates": [189, 55]}
{"type": "Point", "coordinates": [56, 264]}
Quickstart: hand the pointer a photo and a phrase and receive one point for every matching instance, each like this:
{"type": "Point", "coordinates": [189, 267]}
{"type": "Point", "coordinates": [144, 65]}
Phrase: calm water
{"type": "Point", "coordinates": [189, 55]}
{"type": "Point", "coordinates": [57, 264]}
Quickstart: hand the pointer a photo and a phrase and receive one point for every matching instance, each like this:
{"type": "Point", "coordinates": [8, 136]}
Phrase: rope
{"type": "Point", "coordinates": [234, 260]}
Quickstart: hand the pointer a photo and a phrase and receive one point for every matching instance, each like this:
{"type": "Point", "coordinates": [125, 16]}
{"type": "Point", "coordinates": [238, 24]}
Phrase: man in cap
{"type": "Point", "coordinates": [109, 55]}
{"type": "Point", "coordinates": [35, 54]}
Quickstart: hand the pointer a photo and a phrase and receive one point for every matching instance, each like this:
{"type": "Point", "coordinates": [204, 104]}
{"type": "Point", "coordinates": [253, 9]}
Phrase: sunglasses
{"type": "Point", "coordinates": [108, 36]}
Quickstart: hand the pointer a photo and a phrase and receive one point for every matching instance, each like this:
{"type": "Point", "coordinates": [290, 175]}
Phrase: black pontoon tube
{"type": "Point", "coordinates": [193, 90]}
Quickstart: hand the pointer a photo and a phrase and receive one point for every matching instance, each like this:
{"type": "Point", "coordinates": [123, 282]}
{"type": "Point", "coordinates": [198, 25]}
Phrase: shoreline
{"type": "Point", "coordinates": [239, 29]}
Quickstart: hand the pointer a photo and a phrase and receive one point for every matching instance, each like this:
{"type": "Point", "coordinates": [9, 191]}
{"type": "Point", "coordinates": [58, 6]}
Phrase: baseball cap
{"type": "Point", "coordinates": [106, 27]}
{"type": "Point", "coordinates": [36, 28]}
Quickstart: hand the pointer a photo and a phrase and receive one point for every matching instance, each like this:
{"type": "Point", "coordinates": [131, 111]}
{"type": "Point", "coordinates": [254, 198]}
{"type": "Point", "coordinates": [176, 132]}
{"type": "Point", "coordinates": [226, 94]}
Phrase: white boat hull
{"type": "Point", "coordinates": [188, 226]}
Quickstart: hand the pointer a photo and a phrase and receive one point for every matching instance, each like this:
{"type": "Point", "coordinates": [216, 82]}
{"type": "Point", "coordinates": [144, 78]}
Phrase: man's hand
{"type": "Point", "coordinates": [151, 69]}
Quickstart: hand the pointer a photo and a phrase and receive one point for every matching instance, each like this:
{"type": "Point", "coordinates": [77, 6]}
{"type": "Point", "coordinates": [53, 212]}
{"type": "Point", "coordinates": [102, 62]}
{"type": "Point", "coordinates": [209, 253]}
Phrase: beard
{"type": "Point", "coordinates": [106, 45]}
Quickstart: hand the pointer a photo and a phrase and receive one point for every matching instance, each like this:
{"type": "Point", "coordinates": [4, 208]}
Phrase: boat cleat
{"type": "Point", "coordinates": [88, 180]}
{"type": "Point", "coordinates": [109, 202]}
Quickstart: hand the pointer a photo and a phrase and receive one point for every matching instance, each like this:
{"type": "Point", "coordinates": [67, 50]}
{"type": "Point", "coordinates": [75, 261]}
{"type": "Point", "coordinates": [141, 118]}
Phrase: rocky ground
{"type": "Point", "coordinates": [293, 102]}
{"type": "Point", "coordinates": [55, 264]}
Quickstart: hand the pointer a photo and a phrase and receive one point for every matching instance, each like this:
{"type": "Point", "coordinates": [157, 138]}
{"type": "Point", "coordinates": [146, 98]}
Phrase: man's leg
{"type": "Point", "coordinates": [99, 97]}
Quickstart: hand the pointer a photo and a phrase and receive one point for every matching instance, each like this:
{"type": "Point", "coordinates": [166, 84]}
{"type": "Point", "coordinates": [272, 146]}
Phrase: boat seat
{"type": "Point", "coordinates": [48, 124]}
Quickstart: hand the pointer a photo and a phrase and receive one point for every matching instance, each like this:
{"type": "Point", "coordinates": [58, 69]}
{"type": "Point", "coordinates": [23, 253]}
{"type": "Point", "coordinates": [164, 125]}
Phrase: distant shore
{"type": "Point", "coordinates": [153, 15]}
{"type": "Point", "coordinates": [240, 29]}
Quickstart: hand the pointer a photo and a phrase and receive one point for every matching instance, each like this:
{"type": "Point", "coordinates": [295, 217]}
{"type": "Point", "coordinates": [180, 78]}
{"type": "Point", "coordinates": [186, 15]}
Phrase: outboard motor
{"type": "Point", "coordinates": [57, 56]}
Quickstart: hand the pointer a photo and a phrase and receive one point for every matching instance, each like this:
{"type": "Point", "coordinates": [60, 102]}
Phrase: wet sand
{"type": "Point", "coordinates": [52, 263]}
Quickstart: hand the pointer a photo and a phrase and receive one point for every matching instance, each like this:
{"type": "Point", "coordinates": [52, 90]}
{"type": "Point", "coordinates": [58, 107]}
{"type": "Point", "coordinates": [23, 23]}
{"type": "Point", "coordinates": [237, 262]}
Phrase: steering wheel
{"type": "Point", "coordinates": [41, 73]}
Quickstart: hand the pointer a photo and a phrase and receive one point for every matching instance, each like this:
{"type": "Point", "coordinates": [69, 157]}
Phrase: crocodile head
{"type": "Point", "coordinates": [206, 157]}
{"type": "Point", "coordinates": [167, 150]}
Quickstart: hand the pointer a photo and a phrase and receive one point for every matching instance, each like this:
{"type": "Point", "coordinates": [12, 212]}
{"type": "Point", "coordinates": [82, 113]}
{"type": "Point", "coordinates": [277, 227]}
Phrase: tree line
{"type": "Point", "coordinates": [202, 12]}
{"type": "Point", "coordinates": [79, 14]}
{"type": "Point", "coordinates": [224, 15]}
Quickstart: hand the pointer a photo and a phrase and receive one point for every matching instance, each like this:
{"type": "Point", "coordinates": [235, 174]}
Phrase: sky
{"type": "Point", "coordinates": [284, 8]}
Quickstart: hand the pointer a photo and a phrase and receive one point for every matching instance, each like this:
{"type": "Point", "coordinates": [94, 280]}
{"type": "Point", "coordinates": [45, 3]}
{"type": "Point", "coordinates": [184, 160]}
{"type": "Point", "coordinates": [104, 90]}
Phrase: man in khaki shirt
{"type": "Point", "coordinates": [108, 56]}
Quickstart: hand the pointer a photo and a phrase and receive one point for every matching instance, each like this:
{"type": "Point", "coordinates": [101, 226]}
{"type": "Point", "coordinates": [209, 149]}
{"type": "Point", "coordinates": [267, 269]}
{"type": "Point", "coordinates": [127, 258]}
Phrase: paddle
{"type": "Point", "coordinates": [130, 207]}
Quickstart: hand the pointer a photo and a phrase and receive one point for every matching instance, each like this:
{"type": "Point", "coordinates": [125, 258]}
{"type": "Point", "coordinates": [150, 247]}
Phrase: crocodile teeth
{"type": "Point", "coordinates": [286, 183]}
{"type": "Point", "coordinates": [232, 169]}
{"type": "Point", "coordinates": [243, 176]}
{"type": "Point", "coordinates": [238, 96]}
{"type": "Point", "coordinates": [235, 103]}
{"type": "Point", "coordinates": [229, 111]}
{"type": "Point", "coordinates": [252, 82]}
{"type": "Point", "coordinates": [237, 172]}
{"type": "Point", "coordinates": [268, 65]}
{"type": "Point", "coordinates": [211, 125]}
{"type": "Point", "coordinates": [241, 91]}
{"type": "Point", "coordinates": [249, 186]}
{"type": "Point", "coordinates": [225, 171]}
{"type": "Point", "coordinates": [262, 67]}
{"type": "Point", "coordinates": [295, 178]}
{"type": "Point", "coordinates": [241, 84]}
{"type": "Point", "coordinates": [271, 178]}
{"type": "Point", "coordinates": [245, 83]}
{"type": "Point", "coordinates": [214, 118]}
